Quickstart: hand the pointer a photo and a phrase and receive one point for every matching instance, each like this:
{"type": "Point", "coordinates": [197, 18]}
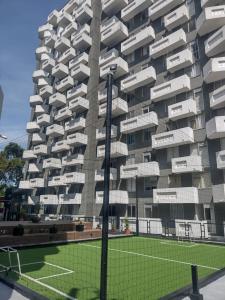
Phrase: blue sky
{"type": "Point", "coordinates": [19, 22]}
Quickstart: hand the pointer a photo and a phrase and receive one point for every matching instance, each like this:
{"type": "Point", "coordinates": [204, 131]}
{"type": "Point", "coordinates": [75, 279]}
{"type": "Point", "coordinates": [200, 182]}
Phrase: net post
{"type": "Point", "coordinates": [195, 288]}
{"type": "Point", "coordinates": [137, 213]}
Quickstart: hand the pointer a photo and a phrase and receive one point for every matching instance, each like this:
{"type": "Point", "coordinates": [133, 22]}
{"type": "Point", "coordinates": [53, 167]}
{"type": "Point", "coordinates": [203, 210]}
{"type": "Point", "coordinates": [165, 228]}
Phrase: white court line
{"type": "Point", "coordinates": [173, 244]}
{"type": "Point", "coordinates": [59, 267]}
{"type": "Point", "coordinates": [151, 256]}
{"type": "Point", "coordinates": [56, 275]}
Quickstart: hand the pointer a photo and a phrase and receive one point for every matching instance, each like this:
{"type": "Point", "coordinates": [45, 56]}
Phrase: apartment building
{"type": "Point", "coordinates": [168, 109]}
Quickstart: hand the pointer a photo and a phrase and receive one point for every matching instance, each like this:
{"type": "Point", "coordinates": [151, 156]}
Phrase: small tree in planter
{"type": "Point", "coordinates": [35, 219]}
{"type": "Point", "coordinates": [18, 230]}
{"type": "Point", "coordinates": [79, 227]}
{"type": "Point", "coordinates": [127, 230]}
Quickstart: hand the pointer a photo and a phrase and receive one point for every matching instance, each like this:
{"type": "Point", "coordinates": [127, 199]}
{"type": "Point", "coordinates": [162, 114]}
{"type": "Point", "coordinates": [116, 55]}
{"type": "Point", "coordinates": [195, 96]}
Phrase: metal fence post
{"type": "Point", "coordinates": [137, 212]}
{"type": "Point", "coordinates": [195, 288]}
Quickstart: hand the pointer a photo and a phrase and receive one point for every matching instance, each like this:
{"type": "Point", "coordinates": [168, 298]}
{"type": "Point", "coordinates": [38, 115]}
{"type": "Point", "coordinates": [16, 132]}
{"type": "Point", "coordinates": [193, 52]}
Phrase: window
{"type": "Point", "coordinates": [145, 52]}
{"type": "Point", "coordinates": [147, 184]}
{"type": "Point", "coordinates": [130, 160]}
{"type": "Point", "coordinates": [130, 139]}
{"type": "Point", "coordinates": [195, 70]}
{"type": "Point", "coordinates": [147, 135]}
{"type": "Point", "coordinates": [148, 211]}
{"type": "Point", "coordinates": [130, 114]}
{"type": "Point", "coordinates": [130, 58]}
{"type": "Point", "coordinates": [146, 109]}
{"type": "Point", "coordinates": [131, 211]}
{"type": "Point", "coordinates": [131, 185]}
{"type": "Point", "coordinates": [195, 50]}
{"type": "Point", "coordinates": [147, 157]}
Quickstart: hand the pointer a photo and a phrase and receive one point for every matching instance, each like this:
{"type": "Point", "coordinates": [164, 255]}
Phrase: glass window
{"type": "Point", "coordinates": [130, 139]}
{"type": "Point", "coordinates": [147, 135]}
{"type": "Point", "coordinates": [131, 211]}
{"type": "Point", "coordinates": [147, 184]}
{"type": "Point", "coordinates": [147, 157]}
{"type": "Point", "coordinates": [131, 185]}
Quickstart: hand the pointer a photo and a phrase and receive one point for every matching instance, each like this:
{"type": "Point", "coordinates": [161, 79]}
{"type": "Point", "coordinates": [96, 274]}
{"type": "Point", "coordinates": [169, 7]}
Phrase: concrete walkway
{"type": "Point", "coordinates": [214, 290]}
{"type": "Point", "coordinates": [9, 294]}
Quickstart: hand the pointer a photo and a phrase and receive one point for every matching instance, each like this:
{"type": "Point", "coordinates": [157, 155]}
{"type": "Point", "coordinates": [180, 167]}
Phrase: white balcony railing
{"type": "Point", "coordinates": [43, 50]}
{"type": "Point", "coordinates": [182, 110]}
{"type": "Point", "coordinates": [62, 44]}
{"type": "Point", "coordinates": [118, 149]}
{"type": "Point", "coordinates": [218, 192]}
{"type": "Point", "coordinates": [38, 138]}
{"type": "Point", "coordinates": [173, 138]}
{"type": "Point", "coordinates": [77, 91]}
{"type": "Point", "coordinates": [183, 195]}
{"type": "Point", "coordinates": [101, 133]}
{"type": "Point", "coordinates": [32, 127]}
{"type": "Point", "coordinates": [69, 30]}
{"type": "Point", "coordinates": [50, 40]}
{"type": "Point", "coordinates": [137, 40]}
{"type": "Point", "coordinates": [140, 122]}
{"type": "Point", "coordinates": [179, 60]}
{"type": "Point", "coordinates": [84, 13]}
{"type": "Point", "coordinates": [43, 29]}
{"type": "Point", "coordinates": [82, 58]}
{"type": "Point", "coordinates": [122, 68]}
{"type": "Point", "coordinates": [82, 41]}
{"type": "Point", "coordinates": [40, 109]}
{"type": "Point", "coordinates": [24, 185]}
{"type": "Point", "coordinates": [35, 100]}
{"type": "Point", "coordinates": [102, 94]}
{"type": "Point", "coordinates": [75, 125]}
{"type": "Point", "coordinates": [119, 107]}
{"type": "Point", "coordinates": [56, 181]}
{"type": "Point", "coordinates": [70, 199]}
{"type": "Point", "coordinates": [146, 169]}
{"type": "Point", "coordinates": [64, 84]}
{"type": "Point", "coordinates": [64, 19]}
{"type": "Point", "coordinates": [134, 8]}
{"type": "Point", "coordinates": [55, 130]}
{"type": "Point", "coordinates": [53, 17]}
{"type": "Point", "coordinates": [214, 70]}
{"type": "Point", "coordinates": [80, 72]}
{"type": "Point", "coordinates": [29, 154]}
{"type": "Point", "coordinates": [215, 43]}
{"type": "Point", "coordinates": [161, 7]}
{"type": "Point", "coordinates": [112, 7]}
{"type": "Point", "coordinates": [99, 175]}
{"type": "Point", "coordinates": [49, 199]}
{"type": "Point", "coordinates": [46, 91]}
{"type": "Point", "coordinates": [78, 104]}
{"type": "Point", "coordinates": [210, 19]}
{"type": "Point", "coordinates": [60, 146]}
{"type": "Point", "coordinates": [171, 88]}
{"type": "Point", "coordinates": [48, 65]}
{"type": "Point", "coordinates": [39, 74]}
{"type": "Point", "coordinates": [67, 56]}
{"type": "Point", "coordinates": [141, 78]}
{"type": "Point", "coordinates": [168, 43]}
{"type": "Point", "coordinates": [34, 168]}
{"type": "Point", "coordinates": [115, 197]}
{"type": "Point", "coordinates": [37, 183]}
{"type": "Point", "coordinates": [60, 71]}
{"type": "Point", "coordinates": [215, 128]}
{"type": "Point", "coordinates": [74, 177]}
{"type": "Point", "coordinates": [63, 114]}
{"type": "Point", "coordinates": [187, 164]}
{"type": "Point", "coordinates": [57, 100]}
{"type": "Point", "coordinates": [41, 150]}
{"type": "Point", "coordinates": [113, 31]}
{"type": "Point", "coordinates": [77, 139]}
{"type": "Point", "coordinates": [177, 17]}
{"type": "Point", "coordinates": [52, 163]}
{"type": "Point", "coordinates": [220, 159]}
{"type": "Point", "coordinates": [108, 57]}
{"type": "Point", "coordinates": [73, 160]}
{"type": "Point", "coordinates": [217, 98]}
{"type": "Point", "coordinates": [43, 120]}
{"type": "Point", "coordinates": [205, 3]}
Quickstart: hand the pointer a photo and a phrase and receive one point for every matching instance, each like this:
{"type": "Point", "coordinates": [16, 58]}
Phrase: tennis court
{"type": "Point", "coordinates": [139, 267]}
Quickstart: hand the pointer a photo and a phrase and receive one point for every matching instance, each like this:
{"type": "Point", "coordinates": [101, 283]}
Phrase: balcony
{"type": "Point", "coordinates": [75, 125]}
{"type": "Point", "coordinates": [55, 130]}
{"type": "Point", "coordinates": [69, 30]}
{"type": "Point", "coordinates": [113, 31]}
{"type": "Point", "coordinates": [38, 138]}
{"type": "Point", "coordinates": [56, 181]}
{"type": "Point", "coordinates": [210, 19]}
{"type": "Point", "coordinates": [118, 149]}
{"type": "Point", "coordinates": [183, 195]}
{"type": "Point", "coordinates": [205, 3]}
{"type": "Point", "coordinates": [67, 56]}
{"type": "Point", "coordinates": [217, 98]}
{"type": "Point", "coordinates": [78, 104]}
{"type": "Point", "coordinates": [63, 114]}
{"type": "Point", "coordinates": [44, 120]}
{"type": "Point", "coordinates": [52, 163]}
{"type": "Point", "coordinates": [108, 56]}
{"type": "Point", "coordinates": [173, 138]}
{"type": "Point", "coordinates": [171, 88]}
{"type": "Point", "coordinates": [69, 7]}
{"type": "Point", "coordinates": [60, 71]}
{"type": "Point", "coordinates": [122, 68]}
{"type": "Point", "coordinates": [37, 183]}
{"type": "Point", "coordinates": [102, 94]}
{"type": "Point", "coordinates": [43, 82]}
{"type": "Point", "coordinates": [43, 29]}
{"type": "Point", "coordinates": [50, 40]}
{"type": "Point", "coordinates": [182, 110]}
{"type": "Point", "coordinates": [46, 91]}
{"type": "Point", "coordinates": [70, 199]}
{"type": "Point", "coordinates": [64, 19]}
{"type": "Point", "coordinates": [82, 41]}
{"type": "Point", "coordinates": [74, 178]}
{"type": "Point", "coordinates": [134, 8]}
{"type": "Point", "coordinates": [115, 197]}
{"type": "Point", "coordinates": [161, 7]}
{"type": "Point", "coordinates": [119, 107]}
{"type": "Point", "coordinates": [215, 128]}
{"type": "Point", "coordinates": [24, 185]}
{"type": "Point", "coordinates": [99, 175]}
{"type": "Point", "coordinates": [147, 169]}
{"type": "Point", "coordinates": [140, 39]}
{"type": "Point", "coordinates": [179, 60]}
{"type": "Point", "coordinates": [220, 159]}
{"type": "Point", "coordinates": [41, 150]}
{"type": "Point", "coordinates": [57, 100]}
{"type": "Point", "coordinates": [29, 154]}
{"type": "Point", "coordinates": [141, 78]}
{"type": "Point", "coordinates": [177, 17]}
{"type": "Point", "coordinates": [77, 139]}
{"type": "Point", "coordinates": [42, 50]}
{"type": "Point", "coordinates": [40, 109]}
{"type": "Point", "coordinates": [218, 193]}
{"type": "Point", "coordinates": [187, 164]}
{"type": "Point", "coordinates": [112, 7]}
{"type": "Point", "coordinates": [139, 123]}
{"type": "Point", "coordinates": [82, 58]}
{"type": "Point", "coordinates": [215, 43]}
{"type": "Point", "coordinates": [53, 17]}
{"type": "Point", "coordinates": [35, 100]}
{"type": "Point", "coordinates": [80, 72]}
{"type": "Point", "coordinates": [168, 43]}
{"type": "Point", "coordinates": [39, 74]}
{"type": "Point", "coordinates": [214, 70]}
{"type": "Point", "coordinates": [84, 13]}
{"type": "Point", "coordinates": [32, 127]}
{"type": "Point", "coordinates": [77, 91]}
{"type": "Point", "coordinates": [60, 146]}
{"type": "Point", "coordinates": [73, 160]}
{"type": "Point", "coordinates": [64, 84]}
{"type": "Point", "coordinates": [49, 200]}
{"type": "Point", "coordinates": [101, 133]}
{"type": "Point", "coordinates": [62, 44]}
{"type": "Point", "coordinates": [34, 168]}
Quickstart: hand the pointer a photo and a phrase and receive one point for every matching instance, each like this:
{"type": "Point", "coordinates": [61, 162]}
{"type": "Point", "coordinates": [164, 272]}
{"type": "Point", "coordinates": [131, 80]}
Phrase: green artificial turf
{"type": "Point", "coordinates": [139, 268]}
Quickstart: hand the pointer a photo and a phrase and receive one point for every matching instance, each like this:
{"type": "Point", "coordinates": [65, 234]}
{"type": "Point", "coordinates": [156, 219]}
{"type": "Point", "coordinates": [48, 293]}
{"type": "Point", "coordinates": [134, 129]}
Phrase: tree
{"type": "Point", "coordinates": [12, 151]}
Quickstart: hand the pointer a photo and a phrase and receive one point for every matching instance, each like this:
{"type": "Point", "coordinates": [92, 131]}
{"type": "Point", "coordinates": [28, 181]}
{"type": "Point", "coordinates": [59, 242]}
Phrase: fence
{"type": "Point", "coordinates": [149, 266]}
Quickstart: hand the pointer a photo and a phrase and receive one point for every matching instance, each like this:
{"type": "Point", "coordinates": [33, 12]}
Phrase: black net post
{"type": "Point", "coordinates": [137, 213]}
{"type": "Point", "coordinates": [195, 288]}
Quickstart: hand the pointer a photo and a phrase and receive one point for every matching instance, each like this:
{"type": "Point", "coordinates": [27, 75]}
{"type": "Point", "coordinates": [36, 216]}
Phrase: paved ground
{"type": "Point", "coordinates": [8, 294]}
{"type": "Point", "coordinates": [213, 291]}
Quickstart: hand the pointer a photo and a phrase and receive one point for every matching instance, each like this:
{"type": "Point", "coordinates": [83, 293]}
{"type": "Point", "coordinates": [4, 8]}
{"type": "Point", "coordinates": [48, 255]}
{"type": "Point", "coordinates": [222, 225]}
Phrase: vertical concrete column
{"type": "Point", "coordinates": [88, 195]}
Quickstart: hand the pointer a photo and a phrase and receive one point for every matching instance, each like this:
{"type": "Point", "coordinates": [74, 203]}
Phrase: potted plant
{"type": "Point", "coordinates": [113, 230]}
{"type": "Point", "coordinates": [18, 230]}
{"type": "Point", "coordinates": [35, 219]}
{"type": "Point", "coordinates": [79, 227]}
{"type": "Point", "coordinates": [98, 226]}
{"type": "Point", "coordinates": [127, 230]}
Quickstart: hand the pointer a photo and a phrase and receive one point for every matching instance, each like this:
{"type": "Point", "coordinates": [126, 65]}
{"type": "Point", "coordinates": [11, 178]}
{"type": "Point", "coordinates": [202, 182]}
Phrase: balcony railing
{"type": "Point", "coordinates": [29, 154]}
{"type": "Point", "coordinates": [75, 125]}
{"type": "Point", "coordinates": [79, 104]}
{"type": "Point", "coordinates": [205, 3]}
{"type": "Point", "coordinates": [187, 164]}
{"type": "Point", "coordinates": [215, 128]}
{"type": "Point", "coordinates": [65, 84]}
{"type": "Point", "coordinates": [102, 94]}
{"type": "Point", "coordinates": [35, 100]}
{"type": "Point", "coordinates": [215, 43]}
{"type": "Point", "coordinates": [217, 98]}
{"type": "Point", "coordinates": [57, 100]}
{"type": "Point", "coordinates": [173, 138]}
{"type": "Point", "coordinates": [177, 17]}
{"type": "Point", "coordinates": [77, 139]}
{"type": "Point", "coordinates": [49, 199]}
{"type": "Point", "coordinates": [119, 107]}
{"type": "Point", "coordinates": [99, 175]}
{"type": "Point", "coordinates": [214, 70]}
{"type": "Point", "coordinates": [118, 149]}
{"type": "Point", "coordinates": [220, 159]}
{"type": "Point", "coordinates": [82, 41]}
{"type": "Point", "coordinates": [113, 31]}
{"type": "Point", "coordinates": [38, 138]}
{"type": "Point", "coordinates": [34, 168]}
{"type": "Point", "coordinates": [122, 68]}
{"type": "Point", "coordinates": [67, 56]}
{"type": "Point", "coordinates": [52, 163]}
{"type": "Point", "coordinates": [84, 13]}
{"type": "Point", "coordinates": [63, 114]}
{"type": "Point", "coordinates": [134, 8]}
{"type": "Point", "coordinates": [32, 127]}
{"type": "Point", "coordinates": [64, 19]}
{"type": "Point", "coordinates": [37, 183]}
{"type": "Point", "coordinates": [46, 91]}
{"type": "Point", "coordinates": [108, 56]}
{"type": "Point", "coordinates": [68, 199]}
{"type": "Point", "coordinates": [42, 50]}
{"type": "Point", "coordinates": [56, 181]}
{"type": "Point", "coordinates": [69, 30]}
{"type": "Point", "coordinates": [82, 58]}
{"type": "Point", "coordinates": [183, 195]}
{"type": "Point", "coordinates": [77, 91]}
{"type": "Point", "coordinates": [161, 7]}
{"type": "Point", "coordinates": [44, 120]}
{"type": "Point", "coordinates": [112, 7]}
{"type": "Point", "coordinates": [48, 65]}
{"type": "Point", "coordinates": [74, 178]}
{"type": "Point", "coordinates": [80, 72]}
{"type": "Point", "coordinates": [41, 150]}
{"type": "Point", "coordinates": [115, 197]}
{"type": "Point", "coordinates": [73, 160]}
{"type": "Point", "coordinates": [179, 60]}
{"type": "Point", "coordinates": [60, 146]}
{"type": "Point", "coordinates": [146, 169]}
{"type": "Point", "coordinates": [60, 71]}
{"type": "Point", "coordinates": [53, 17]}
{"type": "Point", "coordinates": [140, 122]}
{"type": "Point", "coordinates": [55, 130]}
{"type": "Point", "coordinates": [24, 185]}
{"type": "Point", "coordinates": [43, 29]}
{"type": "Point", "coordinates": [182, 110]}
{"type": "Point", "coordinates": [62, 44]}
{"type": "Point", "coordinates": [218, 192]}
{"type": "Point", "coordinates": [101, 133]}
